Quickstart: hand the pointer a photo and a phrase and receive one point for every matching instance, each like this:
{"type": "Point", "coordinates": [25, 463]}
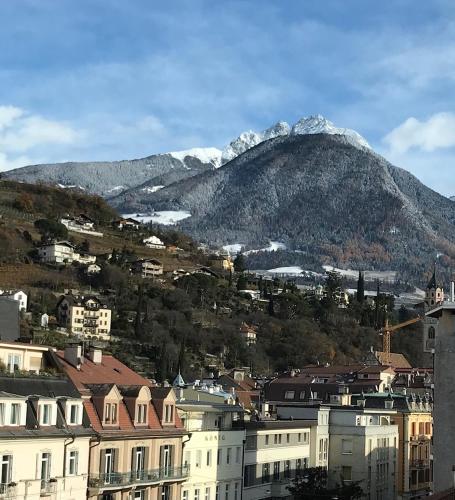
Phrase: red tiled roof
{"type": "Point", "coordinates": [112, 371]}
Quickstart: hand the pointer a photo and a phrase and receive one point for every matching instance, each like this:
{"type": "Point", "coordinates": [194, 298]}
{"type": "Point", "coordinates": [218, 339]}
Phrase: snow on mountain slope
{"type": "Point", "coordinates": [205, 155]}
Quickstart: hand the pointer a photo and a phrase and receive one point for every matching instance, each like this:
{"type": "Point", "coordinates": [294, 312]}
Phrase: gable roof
{"type": "Point", "coordinates": [397, 360]}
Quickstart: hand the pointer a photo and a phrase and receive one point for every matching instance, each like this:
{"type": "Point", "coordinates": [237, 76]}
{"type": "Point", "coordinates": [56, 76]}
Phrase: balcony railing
{"type": "Point", "coordinates": [48, 487]}
{"type": "Point", "coordinates": [419, 464]}
{"type": "Point", "coordinates": [121, 479]}
{"type": "Point", "coordinates": [8, 490]}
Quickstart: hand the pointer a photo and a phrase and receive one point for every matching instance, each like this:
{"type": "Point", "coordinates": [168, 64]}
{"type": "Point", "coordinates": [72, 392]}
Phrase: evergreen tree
{"type": "Point", "coordinates": [361, 288]}
{"type": "Point", "coordinates": [242, 282]}
{"type": "Point", "coordinates": [239, 263]}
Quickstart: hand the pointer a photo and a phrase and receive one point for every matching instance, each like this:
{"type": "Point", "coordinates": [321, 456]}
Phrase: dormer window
{"type": "Point", "coordinates": [45, 414]}
{"type": "Point", "coordinates": [141, 414]}
{"type": "Point", "coordinates": [110, 413]}
{"type": "Point", "coordinates": [168, 414]}
{"type": "Point", "coordinates": [15, 415]}
{"type": "Point", "coordinates": [73, 414]}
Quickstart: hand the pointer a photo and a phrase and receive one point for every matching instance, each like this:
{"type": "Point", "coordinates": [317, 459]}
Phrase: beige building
{"type": "Point", "coordinates": [221, 262]}
{"type": "Point", "coordinates": [138, 450]}
{"type": "Point", "coordinates": [16, 357]}
{"type": "Point", "coordinates": [44, 442]}
{"type": "Point", "coordinates": [214, 450]}
{"type": "Point", "coordinates": [84, 316]}
{"type": "Point", "coordinates": [147, 268]}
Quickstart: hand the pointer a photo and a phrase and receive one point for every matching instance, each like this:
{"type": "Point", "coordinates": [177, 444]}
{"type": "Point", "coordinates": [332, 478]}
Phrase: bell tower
{"type": "Point", "coordinates": [434, 297]}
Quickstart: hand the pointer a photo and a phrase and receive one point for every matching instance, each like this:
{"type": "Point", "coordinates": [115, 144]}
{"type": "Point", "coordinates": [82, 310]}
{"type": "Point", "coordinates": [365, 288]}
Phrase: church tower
{"type": "Point", "coordinates": [434, 297]}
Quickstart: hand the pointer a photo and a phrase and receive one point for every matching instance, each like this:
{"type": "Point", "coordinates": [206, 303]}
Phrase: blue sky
{"type": "Point", "coordinates": [115, 79]}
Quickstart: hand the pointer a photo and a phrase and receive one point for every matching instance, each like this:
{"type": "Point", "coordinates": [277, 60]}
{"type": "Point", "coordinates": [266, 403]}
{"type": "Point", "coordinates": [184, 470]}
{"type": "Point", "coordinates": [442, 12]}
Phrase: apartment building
{"type": "Point", "coordinates": [18, 295]}
{"type": "Point", "coordinates": [138, 450]}
{"type": "Point", "coordinates": [84, 316]}
{"type": "Point", "coordinates": [275, 452]}
{"type": "Point", "coordinates": [363, 444]}
{"type": "Point", "coordinates": [415, 428]}
{"type": "Point", "coordinates": [214, 450]}
{"type": "Point", "coordinates": [44, 437]}
{"type": "Point", "coordinates": [63, 252]}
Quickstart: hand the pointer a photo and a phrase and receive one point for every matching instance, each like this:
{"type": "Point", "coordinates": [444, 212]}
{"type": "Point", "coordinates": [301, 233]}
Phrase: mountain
{"type": "Point", "coordinates": [110, 178]}
{"type": "Point", "coordinates": [152, 173]}
{"type": "Point", "coordinates": [329, 201]}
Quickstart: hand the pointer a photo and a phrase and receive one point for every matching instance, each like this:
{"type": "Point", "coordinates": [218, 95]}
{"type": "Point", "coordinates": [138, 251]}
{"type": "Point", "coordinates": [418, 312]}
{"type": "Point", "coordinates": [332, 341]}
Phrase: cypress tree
{"type": "Point", "coordinates": [361, 288]}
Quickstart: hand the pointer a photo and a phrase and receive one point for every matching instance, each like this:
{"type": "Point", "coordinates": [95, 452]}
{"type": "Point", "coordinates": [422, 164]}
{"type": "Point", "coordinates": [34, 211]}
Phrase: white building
{"type": "Point", "coordinates": [363, 445]}
{"type": "Point", "coordinates": [81, 224]}
{"type": "Point", "coordinates": [215, 450]}
{"type": "Point", "coordinates": [276, 451]}
{"type": "Point", "coordinates": [63, 252]}
{"type": "Point", "coordinates": [17, 295]}
{"type": "Point", "coordinates": [154, 242]}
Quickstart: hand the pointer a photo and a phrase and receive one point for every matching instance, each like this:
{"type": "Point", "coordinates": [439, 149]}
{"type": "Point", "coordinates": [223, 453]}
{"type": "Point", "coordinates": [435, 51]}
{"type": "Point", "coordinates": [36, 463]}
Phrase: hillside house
{"type": "Point", "coordinates": [63, 252]}
{"type": "Point", "coordinates": [17, 295]}
{"type": "Point", "coordinates": [128, 223]}
{"type": "Point", "coordinates": [154, 242]}
{"type": "Point", "coordinates": [221, 262]}
{"type": "Point", "coordinates": [80, 224]}
{"type": "Point", "coordinates": [93, 269]}
{"type": "Point", "coordinates": [84, 316]}
{"type": "Point", "coordinates": [147, 268]}
{"type": "Point", "coordinates": [249, 333]}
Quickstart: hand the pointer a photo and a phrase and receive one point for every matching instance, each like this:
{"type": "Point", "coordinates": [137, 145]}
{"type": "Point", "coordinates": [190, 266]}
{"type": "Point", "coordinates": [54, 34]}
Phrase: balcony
{"type": "Point", "coordinates": [8, 490]}
{"type": "Point", "coordinates": [114, 480]}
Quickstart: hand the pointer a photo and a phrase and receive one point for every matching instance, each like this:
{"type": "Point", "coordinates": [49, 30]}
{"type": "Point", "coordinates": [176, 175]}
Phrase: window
{"type": "Point", "coordinates": [276, 470]}
{"type": "Point", "coordinates": [267, 440]}
{"type": "Point", "coordinates": [46, 414]}
{"type": "Point", "coordinates": [169, 413]}
{"type": "Point", "coordinates": [228, 456]}
{"type": "Point", "coordinates": [14, 362]}
{"type": "Point", "coordinates": [287, 468]}
{"type": "Point", "coordinates": [226, 492]}
{"type": "Point", "coordinates": [321, 449]}
{"type": "Point", "coordinates": [346, 446]}
{"type": "Point", "coordinates": [238, 452]}
{"type": "Point", "coordinates": [326, 449]}
{"type": "Point", "coordinates": [289, 395]}
{"type": "Point", "coordinates": [251, 442]}
{"type": "Point", "coordinates": [45, 469]}
{"type": "Point", "coordinates": [6, 463]}
{"type": "Point", "coordinates": [249, 476]}
{"type": "Point", "coordinates": [196, 494]}
{"type": "Point", "coordinates": [279, 438]}
{"type": "Point", "coordinates": [72, 462]}
{"type": "Point", "coordinates": [299, 437]}
{"type": "Point", "coordinates": [198, 458]}
{"type": "Point", "coordinates": [288, 438]}
{"type": "Point", "coordinates": [217, 492]}
{"type": "Point", "coordinates": [209, 458]}
{"type": "Point", "coordinates": [185, 495]}
{"type": "Point", "coordinates": [187, 458]}
{"type": "Point", "coordinates": [141, 413]}
{"type": "Point", "coordinates": [74, 414]}
{"type": "Point", "coordinates": [275, 439]}
{"type": "Point", "coordinates": [110, 413]}
{"type": "Point", "coordinates": [346, 472]}
{"type": "Point", "coordinates": [431, 332]}
{"type": "Point", "coordinates": [2, 413]}
{"type": "Point", "coordinates": [15, 417]}
{"type": "Point", "coordinates": [165, 493]}
{"type": "Point", "coordinates": [219, 456]}
{"type": "Point", "coordinates": [302, 395]}
{"type": "Point", "coordinates": [265, 473]}
{"type": "Point", "coordinates": [207, 494]}
{"type": "Point", "coordinates": [236, 491]}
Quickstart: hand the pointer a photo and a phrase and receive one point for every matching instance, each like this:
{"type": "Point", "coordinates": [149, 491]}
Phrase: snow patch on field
{"type": "Point", "coordinates": [164, 217]}
{"type": "Point", "coordinates": [294, 270]}
{"type": "Point", "coordinates": [369, 275]}
{"type": "Point", "coordinates": [235, 248]}
{"type": "Point", "coordinates": [273, 247]}
{"type": "Point", "coordinates": [152, 189]}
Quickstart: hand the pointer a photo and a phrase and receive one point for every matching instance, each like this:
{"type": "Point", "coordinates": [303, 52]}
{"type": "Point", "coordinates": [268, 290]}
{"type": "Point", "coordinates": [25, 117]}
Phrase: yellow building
{"type": "Point", "coordinates": [221, 263]}
{"type": "Point", "coordinates": [415, 427]}
{"type": "Point", "coordinates": [84, 316]}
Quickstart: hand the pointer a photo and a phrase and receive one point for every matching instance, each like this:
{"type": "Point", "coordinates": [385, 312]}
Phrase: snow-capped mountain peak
{"type": "Point", "coordinates": [205, 155]}
{"type": "Point", "coordinates": [316, 124]}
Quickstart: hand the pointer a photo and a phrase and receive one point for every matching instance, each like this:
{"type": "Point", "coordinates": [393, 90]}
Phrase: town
{"type": "Point", "coordinates": [90, 412]}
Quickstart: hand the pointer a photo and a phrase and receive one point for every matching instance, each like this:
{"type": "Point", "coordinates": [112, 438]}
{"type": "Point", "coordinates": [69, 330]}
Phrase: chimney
{"type": "Point", "coordinates": [95, 355]}
{"type": "Point", "coordinates": [73, 355]}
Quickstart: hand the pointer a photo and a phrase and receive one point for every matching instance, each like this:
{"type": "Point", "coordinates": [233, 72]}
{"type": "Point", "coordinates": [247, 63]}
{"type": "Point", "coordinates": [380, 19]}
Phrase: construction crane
{"type": "Point", "coordinates": [388, 330]}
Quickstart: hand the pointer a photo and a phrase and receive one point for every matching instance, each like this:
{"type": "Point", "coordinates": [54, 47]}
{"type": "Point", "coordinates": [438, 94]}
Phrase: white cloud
{"type": "Point", "coordinates": [435, 133]}
{"type": "Point", "coordinates": [22, 133]}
